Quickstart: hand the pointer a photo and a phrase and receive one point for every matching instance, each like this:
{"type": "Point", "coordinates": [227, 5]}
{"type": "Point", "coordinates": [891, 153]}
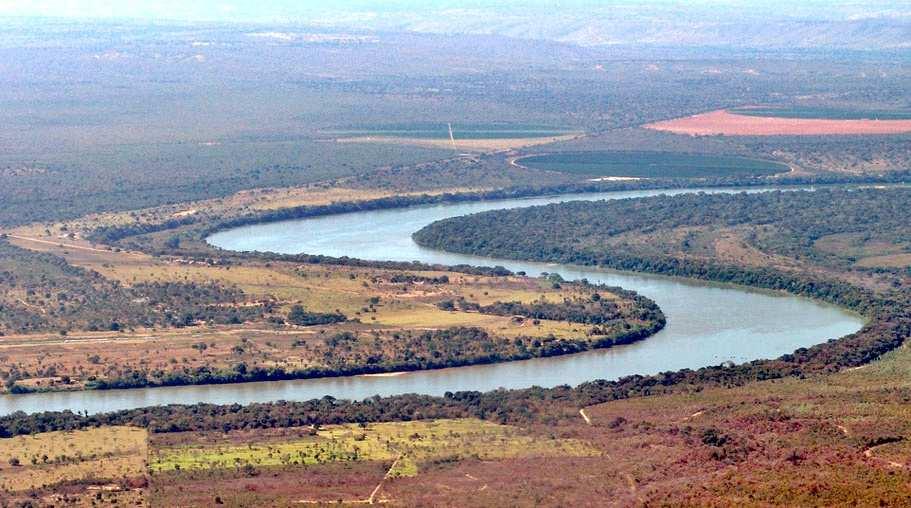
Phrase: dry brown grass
{"type": "Point", "coordinates": [97, 455]}
{"type": "Point", "coordinates": [320, 288]}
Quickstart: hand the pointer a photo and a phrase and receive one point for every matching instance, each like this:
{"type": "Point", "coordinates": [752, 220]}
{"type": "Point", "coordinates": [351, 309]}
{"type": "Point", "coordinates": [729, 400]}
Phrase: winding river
{"type": "Point", "coordinates": [707, 324]}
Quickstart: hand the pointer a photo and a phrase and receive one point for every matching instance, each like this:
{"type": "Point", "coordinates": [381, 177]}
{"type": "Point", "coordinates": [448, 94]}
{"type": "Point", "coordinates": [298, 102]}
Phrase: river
{"type": "Point", "coordinates": [707, 324]}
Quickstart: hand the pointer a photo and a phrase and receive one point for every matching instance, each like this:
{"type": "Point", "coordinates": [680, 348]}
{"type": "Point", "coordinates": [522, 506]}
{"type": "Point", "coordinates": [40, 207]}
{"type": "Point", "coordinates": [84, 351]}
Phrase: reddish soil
{"type": "Point", "coordinates": [729, 124]}
{"type": "Point", "coordinates": [327, 484]}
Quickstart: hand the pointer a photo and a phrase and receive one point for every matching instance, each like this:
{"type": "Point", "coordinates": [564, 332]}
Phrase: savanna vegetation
{"type": "Point", "coordinates": [80, 467]}
{"type": "Point", "coordinates": [239, 319]}
{"type": "Point", "coordinates": [106, 280]}
{"type": "Point", "coordinates": [74, 147]}
{"type": "Point", "coordinates": [43, 293]}
{"type": "Point", "coordinates": [839, 437]}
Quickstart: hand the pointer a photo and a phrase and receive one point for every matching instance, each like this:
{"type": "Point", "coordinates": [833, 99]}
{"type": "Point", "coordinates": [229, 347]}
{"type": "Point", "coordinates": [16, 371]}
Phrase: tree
{"type": "Point", "coordinates": [297, 314]}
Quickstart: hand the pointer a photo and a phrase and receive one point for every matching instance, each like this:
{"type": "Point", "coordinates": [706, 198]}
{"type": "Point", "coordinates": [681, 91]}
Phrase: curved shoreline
{"type": "Point", "coordinates": [437, 381]}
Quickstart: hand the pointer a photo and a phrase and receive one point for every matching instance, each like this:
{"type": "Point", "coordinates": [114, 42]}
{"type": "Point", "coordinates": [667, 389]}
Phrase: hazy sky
{"type": "Point", "coordinates": [363, 10]}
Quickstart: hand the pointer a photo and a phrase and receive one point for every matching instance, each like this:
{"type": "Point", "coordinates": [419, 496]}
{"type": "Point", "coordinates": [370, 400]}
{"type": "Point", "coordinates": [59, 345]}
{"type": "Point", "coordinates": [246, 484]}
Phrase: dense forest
{"type": "Point", "coordinates": [613, 233]}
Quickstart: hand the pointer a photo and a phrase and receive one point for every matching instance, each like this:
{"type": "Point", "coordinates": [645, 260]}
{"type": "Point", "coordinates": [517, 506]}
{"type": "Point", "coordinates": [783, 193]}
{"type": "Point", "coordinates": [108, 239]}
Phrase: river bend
{"type": "Point", "coordinates": [707, 324]}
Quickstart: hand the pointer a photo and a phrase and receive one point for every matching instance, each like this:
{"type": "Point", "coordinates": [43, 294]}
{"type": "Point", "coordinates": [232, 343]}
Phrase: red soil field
{"type": "Point", "coordinates": [730, 124]}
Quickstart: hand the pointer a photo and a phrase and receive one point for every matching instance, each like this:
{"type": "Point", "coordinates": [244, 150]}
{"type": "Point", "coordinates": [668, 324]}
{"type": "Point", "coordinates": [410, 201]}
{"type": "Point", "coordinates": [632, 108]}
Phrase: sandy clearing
{"type": "Point", "coordinates": [888, 261]}
{"type": "Point", "coordinates": [730, 124]}
{"type": "Point", "coordinates": [59, 244]}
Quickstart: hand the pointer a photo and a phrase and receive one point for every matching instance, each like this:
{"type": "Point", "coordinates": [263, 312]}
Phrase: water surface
{"type": "Point", "coordinates": [707, 323]}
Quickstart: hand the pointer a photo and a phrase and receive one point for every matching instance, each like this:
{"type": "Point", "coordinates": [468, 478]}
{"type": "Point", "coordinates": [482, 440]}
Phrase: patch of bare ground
{"type": "Point", "coordinates": [726, 123]}
{"type": "Point", "coordinates": [320, 485]}
{"type": "Point", "coordinates": [888, 261]}
{"type": "Point", "coordinates": [554, 481]}
{"type": "Point", "coordinates": [730, 247]}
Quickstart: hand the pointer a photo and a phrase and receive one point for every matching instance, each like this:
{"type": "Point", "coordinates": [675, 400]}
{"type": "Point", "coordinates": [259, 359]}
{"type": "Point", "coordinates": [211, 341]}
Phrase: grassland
{"type": "Point", "coordinates": [391, 312]}
{"type": "Point", "coordinates": [833, 439]}
{"type": "Point", "coordinates": [403, 450]}
{"type": "Point", "coordinates": [154, 124]}
{"type": "Point", "coordinates": [55, 465]}
{"type": "Point", "coordinates": [836, 438]}
{"type": "Point", "coordinates": [413, 443]}
{"type": "Point", "coordinates": [790, 442]}
{"type": "Point", "coordinates": [651, 164]}
{"type": "Point", "coordinates": [793, 442]}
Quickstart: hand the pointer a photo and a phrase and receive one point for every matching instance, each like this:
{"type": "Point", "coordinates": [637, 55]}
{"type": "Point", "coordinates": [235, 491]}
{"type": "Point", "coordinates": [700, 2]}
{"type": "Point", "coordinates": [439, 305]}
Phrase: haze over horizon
{"type": "Point", "coordinates": [843, 24]}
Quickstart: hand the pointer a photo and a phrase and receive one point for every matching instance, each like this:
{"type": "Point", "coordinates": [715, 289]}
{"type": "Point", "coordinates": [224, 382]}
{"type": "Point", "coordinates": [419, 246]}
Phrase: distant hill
{"type": "Point", "coordinates": [761, 27]}
{"type": "Point", "coordinates": [767, 24]}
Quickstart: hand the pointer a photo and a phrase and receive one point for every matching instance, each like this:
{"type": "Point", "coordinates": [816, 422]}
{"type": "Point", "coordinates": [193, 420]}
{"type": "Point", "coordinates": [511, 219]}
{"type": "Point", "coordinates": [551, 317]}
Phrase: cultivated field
{"type": "Point", "coordinates": [465, 137]}
{"type": "Point", "coordinates": [725, 122]}
{"type": "Point", "coordinates": [827, 113]}
{"type": "Point", "coordinates": [464, 145]}
{"type": "Point", "coordinates": [459, 131]}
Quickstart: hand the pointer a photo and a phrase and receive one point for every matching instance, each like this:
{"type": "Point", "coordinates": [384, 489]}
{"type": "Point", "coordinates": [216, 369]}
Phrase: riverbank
{"type": "Point", "coordinates": [696, 315]}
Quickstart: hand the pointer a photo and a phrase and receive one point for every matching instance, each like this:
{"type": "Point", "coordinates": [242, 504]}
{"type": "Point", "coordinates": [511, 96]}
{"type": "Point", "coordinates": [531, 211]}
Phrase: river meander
{"type": "Point", "coordinates": [707, 324]}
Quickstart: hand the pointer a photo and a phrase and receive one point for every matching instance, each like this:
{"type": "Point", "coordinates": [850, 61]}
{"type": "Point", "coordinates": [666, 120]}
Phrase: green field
{"type": "Point", "coordinates": [651, 164]}
{"type": "Point", "coordinates": [412, 442]}
{"type": "Point", "coordinates": [440, 130]}
{"type": "Point", "coordinates": [811, 112]}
